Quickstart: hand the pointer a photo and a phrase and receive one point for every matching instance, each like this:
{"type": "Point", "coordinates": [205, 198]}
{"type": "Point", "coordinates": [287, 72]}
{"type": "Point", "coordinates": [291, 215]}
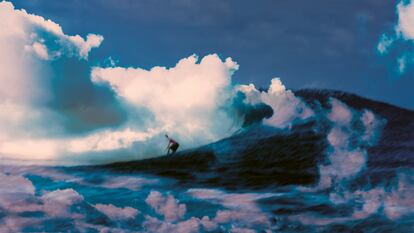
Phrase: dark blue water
{"type": "Point", "coordinates": [321, 176]}
{"type": "Point", "coordinates": [37, 199]}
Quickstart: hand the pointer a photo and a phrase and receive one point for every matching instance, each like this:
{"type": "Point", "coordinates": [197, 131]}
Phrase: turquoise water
{"type": "Point", "coordinates": [52, 199]}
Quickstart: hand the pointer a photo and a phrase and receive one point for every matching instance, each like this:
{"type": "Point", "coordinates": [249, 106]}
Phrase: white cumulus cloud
{"type": "Point", "coordinates": [403, 33]}
{"type": "Point", "coordinates": [28, 42]}
{"type": "Point", "coordinates": [187, 100]}
{"type": "Point", "coordinates": [286, 106]}
{"type": "Point", "coordinates": [405, 20]}
{"type": "Point", "coordinates": [193, 101]}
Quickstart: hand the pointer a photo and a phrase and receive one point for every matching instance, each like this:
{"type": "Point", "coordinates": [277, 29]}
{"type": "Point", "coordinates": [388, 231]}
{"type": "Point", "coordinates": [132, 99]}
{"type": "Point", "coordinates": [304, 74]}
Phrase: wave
{"type": "Point", "coordinates": [261, 156]}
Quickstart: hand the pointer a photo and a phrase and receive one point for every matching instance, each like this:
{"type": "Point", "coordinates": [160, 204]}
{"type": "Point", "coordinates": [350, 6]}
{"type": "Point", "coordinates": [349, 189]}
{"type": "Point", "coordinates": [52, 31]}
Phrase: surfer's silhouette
{"type": "Point", "coordinates": [172, 145]}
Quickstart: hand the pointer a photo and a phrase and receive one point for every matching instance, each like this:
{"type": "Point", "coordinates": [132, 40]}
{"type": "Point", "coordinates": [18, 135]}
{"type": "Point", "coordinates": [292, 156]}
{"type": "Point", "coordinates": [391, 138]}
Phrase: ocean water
{"type": "Point", "coordinates": [327, 175]}
{"type": "Point", "coordinates": [58, 199]}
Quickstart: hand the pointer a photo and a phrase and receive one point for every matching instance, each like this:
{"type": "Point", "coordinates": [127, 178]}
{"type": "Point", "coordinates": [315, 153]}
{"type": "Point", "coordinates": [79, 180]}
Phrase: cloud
{"type": "Point", "coordinates": [167, 206]}
{"type": "Point", "coordinates": [392, 202]}
{"type": "Point", "coordinates": [39, 49]}
{"type": "Point", "coordinates": [36, 32]}
{"type": "Point", "coordinates": [405, 20]}
{"type": "Point", "coordinates": [27, 210]}
{"type": "Point", "coordinates": [15, 184]}
{"type": "Point", "coordinates": [18, 197]}
{"type": "Point", "coordinates": [43, 37]}
{"type": "Point", "coordinates": [116, 213]}
{"type": "Point", "coordinates": [242, 213]}
{"type": "Point", "coordinates": [243, 210]}
{"type": "Point", "coordinates": [399, 202]}
{"type": "Point", "coordinates": [57, 203]}
{"type": "Point", "coordinates": [43, 120]}
{"type": "Point", "coordinates": [287, 108]}
{"type": "Point", "coordinates": [204, 110]}
{"type": "Point", "coordinates": [201, 112]}
{"type": "Point", "coordinates": [107, 140]}
{"type": "Point", "coordinates": [403, 33]}
{"type": "Point", "coordinates": [372, 125]}
{"type": "Point", "coordinates": [242, 218]}
{"type": "Point", "coordinates": [402, 64]}
{"type": "Point", "coordinates": [340, 114]}
{"type": "Point", "coordinates": [40, 69]}
{"type": "Point", "coordinates": [384, 44]}
{"type": "Point", "coordinates": [186, 100]}
{"type": "Point", "coordinates": [227, 221]}
{"type": "Point", "coordinates": [232, 200]}
{"type": "Point", "coordinates": [16, 224]}
{"type": "Point", "coordinates": [351, 133]}
{"type": "Point", "coordinates": [30, 210]}
{"type": "Point", "coordinates": [155, 225]}
{"type": "Point", "coordinates": [129, 182]}
{"type": "Point", "coordinates": [29, 44]}
{"type": "Point", "coordinates": [117, 113]}
{"type": "Point", "coordinates": [345, 159]}
{"type": "Point", "coordinates": [241, 230]}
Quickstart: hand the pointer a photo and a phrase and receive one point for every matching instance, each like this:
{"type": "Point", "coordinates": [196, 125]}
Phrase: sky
{"type": "Point", "coordinates": [96, 81]}
{"type": "Point", "coordinates": [308, 44]}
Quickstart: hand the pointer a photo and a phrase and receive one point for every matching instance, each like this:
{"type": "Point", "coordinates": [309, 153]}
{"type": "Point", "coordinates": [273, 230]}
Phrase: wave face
{"type": "Point", "coordinates": [262, 155]}
{"type": "Point", "coordinates": [348, 169]}
{"type": "Point", "coordinates": [394, 150]}
{"type": "Point", "coordinates": [257, 157]}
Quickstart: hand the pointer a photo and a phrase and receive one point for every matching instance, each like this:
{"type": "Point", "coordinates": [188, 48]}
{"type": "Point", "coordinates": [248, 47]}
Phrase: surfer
{"type": "Point", "coordinates": [172, 145]}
